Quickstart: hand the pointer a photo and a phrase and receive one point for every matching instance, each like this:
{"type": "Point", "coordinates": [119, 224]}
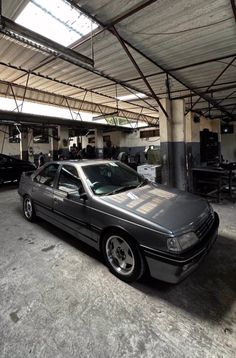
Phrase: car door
{"type": "Point", "coordinates": [42, 190]}
{"type": "Point", "coordinates": [70, 209]}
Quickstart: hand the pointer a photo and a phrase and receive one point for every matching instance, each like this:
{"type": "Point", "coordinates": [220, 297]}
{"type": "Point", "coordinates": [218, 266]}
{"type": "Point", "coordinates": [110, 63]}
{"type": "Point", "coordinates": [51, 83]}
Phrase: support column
{"type": "Point", "coordinates": [24, 144]}
{"type": "Point", "coordinates": [53, 132]}
{"type": "Point", "coordinates": [63, 144]}
{"type": "Point", "coordinates": [99, 143]}
{"type": "Point", "coordinates": [165, 143]}
{"type": "Point", "coordinates": [172, 136]}
{"type": "Point", "coordinates": [178, 144]}
{"type": "Point", "coordinates": [192, 130]}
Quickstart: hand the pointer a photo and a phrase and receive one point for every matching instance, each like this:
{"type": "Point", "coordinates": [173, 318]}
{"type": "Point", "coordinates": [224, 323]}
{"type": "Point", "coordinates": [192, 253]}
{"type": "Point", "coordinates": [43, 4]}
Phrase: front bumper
{"type": "Point", "coordinates": [174, 268]}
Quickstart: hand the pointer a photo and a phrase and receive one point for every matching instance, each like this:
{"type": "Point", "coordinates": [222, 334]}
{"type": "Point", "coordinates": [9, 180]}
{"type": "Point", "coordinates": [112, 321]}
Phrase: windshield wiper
{"type": "Point", "coordinates": [144, 182]}
{"type": "Point", "coordinates": [121, 188]}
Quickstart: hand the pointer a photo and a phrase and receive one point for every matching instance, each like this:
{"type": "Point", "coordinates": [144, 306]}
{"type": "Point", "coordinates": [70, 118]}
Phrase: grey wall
{"type": "Point", "coordinates": [228, 146]}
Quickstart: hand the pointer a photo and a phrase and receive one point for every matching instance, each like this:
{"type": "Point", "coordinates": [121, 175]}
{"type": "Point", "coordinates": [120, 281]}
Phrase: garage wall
{"type": "Point", "coordinates": [7, 148]}
{"type": "Point", "coordinates": [13, 149]}
{"type": "Point", "coordinates": [228, 146]}
{"type": "Point", "coordinates": [128, 142]}
{"type": "Point", "coordinates": [36, 148]}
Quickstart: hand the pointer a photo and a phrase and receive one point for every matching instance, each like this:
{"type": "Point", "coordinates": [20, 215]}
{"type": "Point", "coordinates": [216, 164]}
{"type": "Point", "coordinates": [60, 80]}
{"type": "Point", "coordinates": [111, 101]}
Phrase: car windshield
{"type": "Point", "coordinates": [111, 178]}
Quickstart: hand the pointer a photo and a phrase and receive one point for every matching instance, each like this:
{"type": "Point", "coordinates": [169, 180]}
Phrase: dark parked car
{"type": "Point", "coordinates": [12, 168]}
{"type": "Point", "coordinates": [135, 224]}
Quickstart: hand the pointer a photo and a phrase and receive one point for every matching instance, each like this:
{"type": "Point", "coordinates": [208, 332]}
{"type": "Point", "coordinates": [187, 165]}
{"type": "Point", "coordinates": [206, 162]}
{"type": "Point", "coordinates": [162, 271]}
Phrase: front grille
{"type": "Point", "coordinates": [204, 223]}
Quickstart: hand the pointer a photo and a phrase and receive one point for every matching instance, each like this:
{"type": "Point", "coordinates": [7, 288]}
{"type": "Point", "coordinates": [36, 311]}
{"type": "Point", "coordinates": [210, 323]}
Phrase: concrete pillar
{"type": "Point", "coordinates": [192, 139]}
{"type": "Point", "coordinates": [63, 144]}
{"type": "Point", "coordinates": [24, 144]}
{"type": "Point", "coordinates": [178, 143]}
{"type": "Point", "coordinates": [166, 143]}
{"type": "Point", "coordinates": [54, 143]}
{"type": "Point", "coordinates": [172, 136]}
{"type": "Point", "coordinates": [99, 143]}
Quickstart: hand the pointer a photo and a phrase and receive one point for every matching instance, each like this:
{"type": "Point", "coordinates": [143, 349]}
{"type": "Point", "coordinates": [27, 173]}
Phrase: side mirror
{"type": "Point", "coordinates": [83, 196]}
{"type": "Point", "coordinates": [75, 195]}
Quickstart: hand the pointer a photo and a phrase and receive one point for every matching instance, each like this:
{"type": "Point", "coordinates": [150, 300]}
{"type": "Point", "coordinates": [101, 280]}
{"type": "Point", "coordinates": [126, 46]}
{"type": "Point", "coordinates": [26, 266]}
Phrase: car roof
{"type": "Point", "coordinates": [84, 162]}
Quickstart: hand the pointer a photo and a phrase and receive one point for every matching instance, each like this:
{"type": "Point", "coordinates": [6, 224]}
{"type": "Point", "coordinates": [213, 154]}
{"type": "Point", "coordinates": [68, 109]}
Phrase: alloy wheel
{"type": "Point", "coordinates": [120, 255]}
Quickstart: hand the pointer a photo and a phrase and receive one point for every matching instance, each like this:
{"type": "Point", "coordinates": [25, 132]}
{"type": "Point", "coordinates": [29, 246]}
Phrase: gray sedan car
{"type": "Point", "coordinates": [138, 226]}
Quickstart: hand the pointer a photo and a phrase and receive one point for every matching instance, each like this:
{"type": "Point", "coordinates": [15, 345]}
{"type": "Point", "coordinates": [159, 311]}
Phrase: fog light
{"type": "Point", "coordinates": [173, 244]}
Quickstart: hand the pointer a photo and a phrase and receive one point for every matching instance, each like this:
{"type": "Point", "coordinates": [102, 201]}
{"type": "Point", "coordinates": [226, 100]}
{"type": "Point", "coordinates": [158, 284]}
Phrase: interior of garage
{"type": "Point", "coordinates": [149, 83]}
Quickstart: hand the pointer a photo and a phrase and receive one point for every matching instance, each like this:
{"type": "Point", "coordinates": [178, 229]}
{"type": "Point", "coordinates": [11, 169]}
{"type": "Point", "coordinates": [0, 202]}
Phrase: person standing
{"type": "Point", "coordinates": [41, 160]}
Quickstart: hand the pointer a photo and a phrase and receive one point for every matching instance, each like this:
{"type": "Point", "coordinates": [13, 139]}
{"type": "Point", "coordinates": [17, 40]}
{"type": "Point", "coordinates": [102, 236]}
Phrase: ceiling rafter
{"type": "Point", "coordinates": [233, 8]}
{"type": "Point", "coordinates": [38, 74]}
{"type": "Point", "coordinates": [214, 82]}
{"type": "Point", "coordinates": [83, 105]}
{"type": "Point", "coordinates": [138, 69]}
{"type": "Point", "coordinates": [195, 64]}
{"type": "Point", "coordinates": [127, 43]}
{"type": "Point", "coordinates": [15, 117]}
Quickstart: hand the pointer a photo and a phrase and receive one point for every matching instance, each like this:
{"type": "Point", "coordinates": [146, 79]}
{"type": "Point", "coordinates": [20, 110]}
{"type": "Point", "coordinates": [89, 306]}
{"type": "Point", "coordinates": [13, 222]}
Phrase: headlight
{"type": "Point", "coordinates": [181, 243]}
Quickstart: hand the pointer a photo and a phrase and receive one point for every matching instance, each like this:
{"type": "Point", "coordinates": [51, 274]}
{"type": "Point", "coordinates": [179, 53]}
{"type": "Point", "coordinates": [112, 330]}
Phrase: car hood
{"type": "Point", "coordinates": [172, 209]}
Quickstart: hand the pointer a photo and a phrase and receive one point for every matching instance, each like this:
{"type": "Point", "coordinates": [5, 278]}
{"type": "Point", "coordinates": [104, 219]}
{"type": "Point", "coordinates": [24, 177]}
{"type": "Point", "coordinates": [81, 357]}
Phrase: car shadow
{"type": "Point", "coordinates": [8, 186]}
{"type": "Point", "coordinates": [66, 237]}
{"type": "Point", "coordinates": [207, 293]}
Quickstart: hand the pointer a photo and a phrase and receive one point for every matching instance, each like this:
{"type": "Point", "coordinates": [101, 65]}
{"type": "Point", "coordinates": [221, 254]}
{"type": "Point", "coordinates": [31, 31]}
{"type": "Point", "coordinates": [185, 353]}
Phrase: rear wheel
{"type": "Point", "coordinates": [123, 257]}
{"type": "Point", "coordinates": [28, 208]}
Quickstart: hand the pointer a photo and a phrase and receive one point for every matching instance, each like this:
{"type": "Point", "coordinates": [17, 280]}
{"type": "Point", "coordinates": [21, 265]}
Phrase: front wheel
{"type": "Point", "coordinates": [123, 257]}
{"type": "Point", "coordinates": [28, 208]}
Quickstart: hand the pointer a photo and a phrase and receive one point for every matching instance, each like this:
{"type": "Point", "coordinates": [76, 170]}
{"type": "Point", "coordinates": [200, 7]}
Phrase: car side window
{"type": "Point", "coordinates": [69, 180]}
{"type": "Point", "coordinates": [47, 175]}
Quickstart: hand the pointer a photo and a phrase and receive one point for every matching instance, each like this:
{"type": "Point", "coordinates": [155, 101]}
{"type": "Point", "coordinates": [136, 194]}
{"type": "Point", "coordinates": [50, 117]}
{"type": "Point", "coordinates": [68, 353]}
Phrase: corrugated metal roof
{"type": "Point", "coordinates": [170, 34]}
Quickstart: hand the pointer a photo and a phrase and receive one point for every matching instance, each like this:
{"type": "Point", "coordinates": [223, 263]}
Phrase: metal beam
{"type": "Point", "coordinates": [38, 74]}
{"type": "Point", "coordinates": [195, 64]}
{"type": "Point", "coordinates": [101, 116]}
{"type": "Point", "coordinates": [233, 8]}
{"type": "Point", "coordinates": [127, 43]}
{"type": "Point", "coordinates": [26, 86]}
{"type": "Point", "coordinates": [215, 109]}
{"type": "Point", "coordinates": [203, 96]}
{"type": "Point", "coordinates": [34, 36]}
{"type": "Point", "coordinates": [13, 93]}
{"type": "Point", "coordinates": [168, 86]}
{"type": "Point", "coordinates": [15, 117]}
{"type": "Point", "coordinates": [129, 13]}
{"type": "Point", "coordinates": [225, 88]}
{"type": "Point", "coordinates": [86, 106]}
{"type": "Point", "coordinates": [222, 100]}
{"type": "Point", "coordinates": [21, 33]}
{"type": "Point", "coordinates": [215, 80]}
{"type": "Point", "coordinates": [138, 69]}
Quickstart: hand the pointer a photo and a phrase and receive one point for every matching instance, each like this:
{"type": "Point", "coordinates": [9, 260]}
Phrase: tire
{"type": "Point", "coordinates": [123, 257]}
{"type": "Point", "coordinates": [28, 209]}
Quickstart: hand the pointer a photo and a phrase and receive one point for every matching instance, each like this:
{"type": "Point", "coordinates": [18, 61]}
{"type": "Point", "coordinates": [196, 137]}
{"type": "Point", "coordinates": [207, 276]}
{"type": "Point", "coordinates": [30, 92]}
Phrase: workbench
{"type": "Point", "coordinates": [213, 181]}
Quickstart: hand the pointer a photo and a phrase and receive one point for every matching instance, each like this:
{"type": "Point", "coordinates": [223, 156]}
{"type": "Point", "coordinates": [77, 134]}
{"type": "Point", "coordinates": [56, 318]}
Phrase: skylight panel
{"type": "Point", "coordinates": [56, 20]}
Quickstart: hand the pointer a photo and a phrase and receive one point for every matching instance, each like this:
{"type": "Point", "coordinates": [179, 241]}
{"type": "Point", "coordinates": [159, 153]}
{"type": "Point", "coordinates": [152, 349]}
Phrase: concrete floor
{"type": "Point", "coordinates": [57, 299]}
